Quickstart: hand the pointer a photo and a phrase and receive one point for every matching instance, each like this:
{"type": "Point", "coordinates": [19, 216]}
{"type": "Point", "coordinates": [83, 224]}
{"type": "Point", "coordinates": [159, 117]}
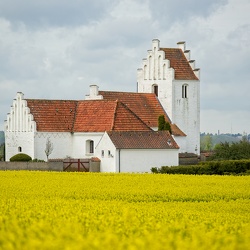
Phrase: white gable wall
{"type": "Point", "coordinates": [109, 162]}
{"type": "Point", "coordinates": [16, 141]}
{"type": "Point", "coordinates": [184, 112]}
{"type": "Point", "coordinates": [19, 129]}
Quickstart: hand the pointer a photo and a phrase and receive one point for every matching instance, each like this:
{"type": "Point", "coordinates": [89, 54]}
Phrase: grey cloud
{"type": "Point", "coordinates": [54, 12]}
{"type": "Point", "coordinates": [168, 11]}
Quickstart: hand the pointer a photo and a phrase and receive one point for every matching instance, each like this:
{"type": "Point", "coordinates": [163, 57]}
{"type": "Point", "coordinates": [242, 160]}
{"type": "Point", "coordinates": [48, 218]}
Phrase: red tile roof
{"type": "Point", "coordinates": [105, 115]}
{"type": "Point", "coordinates": [133, 112]}
{"type": "Point", "coordinates": [142, 140]}
{"type": "Point", "coordinates": [180, 64]}
{"type": "Point", "coordinates": [84, 116]}
{"type": "Point", "coordinates": [144, 105]}
{"type": "Point", "coordinates": [53, 115]}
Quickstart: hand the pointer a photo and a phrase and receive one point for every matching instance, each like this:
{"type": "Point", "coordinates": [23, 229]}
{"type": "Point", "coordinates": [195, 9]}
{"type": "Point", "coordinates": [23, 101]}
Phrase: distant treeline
{"type": "Point", "coordinates": [1, 137]}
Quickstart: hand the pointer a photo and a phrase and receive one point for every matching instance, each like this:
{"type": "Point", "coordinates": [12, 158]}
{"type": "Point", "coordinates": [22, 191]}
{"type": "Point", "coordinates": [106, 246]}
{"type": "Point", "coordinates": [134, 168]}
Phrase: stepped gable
{"type": "Point", "coordinates": [144, 105]}
{"type": "Point", "coordinates": [142, 140]}
{"type": "Point", "coordinates": [106, 115]}
{"type": "Point", "coordinates": [178, 61]}
{"type": "Point", "coordinates": [53, 115]}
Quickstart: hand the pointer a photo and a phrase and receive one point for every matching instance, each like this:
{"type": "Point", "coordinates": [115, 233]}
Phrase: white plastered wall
{"type": "Point", "coordinates": [108, 160]}
{"type": "Point", "coordinates": [19, 129]}
{"type": "Point", "coordinates": [142, 160]}
{"type": "Point", "coordinates": [187, 113]}
{"type": "Point", "coordinates": [184, 112]}
{"type": "Point", "coordinates": [79, 144]}
{"type": "Point", "coordinates": [61, 141]}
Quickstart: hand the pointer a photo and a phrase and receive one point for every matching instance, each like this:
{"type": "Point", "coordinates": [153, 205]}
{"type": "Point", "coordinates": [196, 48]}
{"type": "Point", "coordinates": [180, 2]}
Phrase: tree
{"type": "Point", "coordinates": [2, 152]}
{"type": "Point", "coordinates": [161, 122]}
{"type": "Point", "coordinates": [235, 151]}
{"type": "Point", "coordinates": [49, 148]}
{"type": "Point", "coordinates": [163, 125]}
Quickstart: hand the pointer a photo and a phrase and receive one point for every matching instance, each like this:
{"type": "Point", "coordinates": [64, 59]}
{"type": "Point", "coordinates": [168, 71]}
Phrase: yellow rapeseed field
{"type": "Point", "coordinates": [61, 210]}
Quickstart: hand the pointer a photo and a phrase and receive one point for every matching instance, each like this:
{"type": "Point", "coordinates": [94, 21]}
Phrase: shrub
{"type": "Point", "coordinates": [37, 160]}
{"type": "Point", "coordinates": [21, 157]}
{"type": "Point", "coordinates": [234, 167]}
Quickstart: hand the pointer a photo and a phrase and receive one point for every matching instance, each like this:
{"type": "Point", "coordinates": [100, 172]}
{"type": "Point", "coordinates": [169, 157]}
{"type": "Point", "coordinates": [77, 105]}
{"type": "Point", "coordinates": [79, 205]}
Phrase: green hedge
{"type": "Point", "coordinates": [20, 157]}
{"type": "Point", "coordinates": [211, 167]}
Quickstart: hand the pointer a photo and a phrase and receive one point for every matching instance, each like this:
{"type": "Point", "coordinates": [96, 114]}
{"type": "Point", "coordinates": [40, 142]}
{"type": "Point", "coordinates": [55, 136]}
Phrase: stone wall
{"type": "Point", "coordinates": [40, 166]}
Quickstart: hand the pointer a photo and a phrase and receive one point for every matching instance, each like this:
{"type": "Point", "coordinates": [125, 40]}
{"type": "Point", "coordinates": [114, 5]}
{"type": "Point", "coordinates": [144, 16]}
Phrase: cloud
{"type": "Point", "coordinates": [39, 13]}
{"type": "Point", "coordinates": [56, 49]}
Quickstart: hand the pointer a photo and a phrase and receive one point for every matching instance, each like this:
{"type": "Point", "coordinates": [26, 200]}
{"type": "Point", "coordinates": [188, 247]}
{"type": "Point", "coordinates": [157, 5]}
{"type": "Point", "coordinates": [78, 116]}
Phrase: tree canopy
{"type": "Point", "coordinates": [163, 125]}
{"type": "Point", "coordinates": [234, 151]}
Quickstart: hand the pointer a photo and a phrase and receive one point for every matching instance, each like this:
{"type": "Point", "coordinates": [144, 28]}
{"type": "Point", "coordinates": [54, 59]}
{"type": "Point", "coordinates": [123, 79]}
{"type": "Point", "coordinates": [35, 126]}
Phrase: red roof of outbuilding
{"type": "Point", "coordinates": [180, 64]}
{"type": "Point", "coordinates": [142, 140]}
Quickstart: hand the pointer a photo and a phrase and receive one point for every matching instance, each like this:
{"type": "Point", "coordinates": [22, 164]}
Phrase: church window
{"type": "Point", "coordinates": [19, 149]}
{"type": "Point", "coordinates": [155, 89]}
{"type": "Point", "coordinates": [89, 147]}
{"type": "Point", "coordinates": [184, 90]}
{"type": "Point", "coordinates": [102, 153]}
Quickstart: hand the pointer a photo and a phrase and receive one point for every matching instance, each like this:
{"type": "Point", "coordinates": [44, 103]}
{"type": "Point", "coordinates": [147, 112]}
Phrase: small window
{"type": "Point", "coordinates": [184, 90]}
{"type": "Point", "coordinates": [102, 153]}
{"type": "Point", "coordinates": [19, 149]}
{"type": "Point", "coordinates": [91, 147]}
{"type": "Point", "coordinates": [109, 153]}
{"type": "Point", "coordinates": [155, 89]}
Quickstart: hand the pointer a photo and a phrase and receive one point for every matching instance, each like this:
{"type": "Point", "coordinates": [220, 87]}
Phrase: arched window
{"type": "Point", "coordinates": [184, 91]}
{"type": "Point", "coordinates": [19, 149]}
{"type": "Point", "coordinates": [89, 147]}
{"type": "Point", "coordinates": [155, 89]}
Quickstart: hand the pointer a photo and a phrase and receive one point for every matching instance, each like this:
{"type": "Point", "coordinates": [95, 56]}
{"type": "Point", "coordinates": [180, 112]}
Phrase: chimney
{"type": "Point", "coordinates": [93, 93]}
{"type": "Point", "coordinates": [94, 90]}
{"type": "Point", "coordinates": [182, 45]}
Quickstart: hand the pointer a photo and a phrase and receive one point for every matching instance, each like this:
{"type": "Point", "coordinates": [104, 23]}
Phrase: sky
{"type": "Point", "coordinates": [55, 49]}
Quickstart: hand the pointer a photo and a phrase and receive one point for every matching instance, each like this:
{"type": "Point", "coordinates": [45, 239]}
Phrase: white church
{"type": "Point", "coordinates": [118, 128]}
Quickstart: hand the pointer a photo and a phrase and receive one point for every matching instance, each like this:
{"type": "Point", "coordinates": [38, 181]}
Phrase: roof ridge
{"type": "Point", "coordinates": [124, 92]}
